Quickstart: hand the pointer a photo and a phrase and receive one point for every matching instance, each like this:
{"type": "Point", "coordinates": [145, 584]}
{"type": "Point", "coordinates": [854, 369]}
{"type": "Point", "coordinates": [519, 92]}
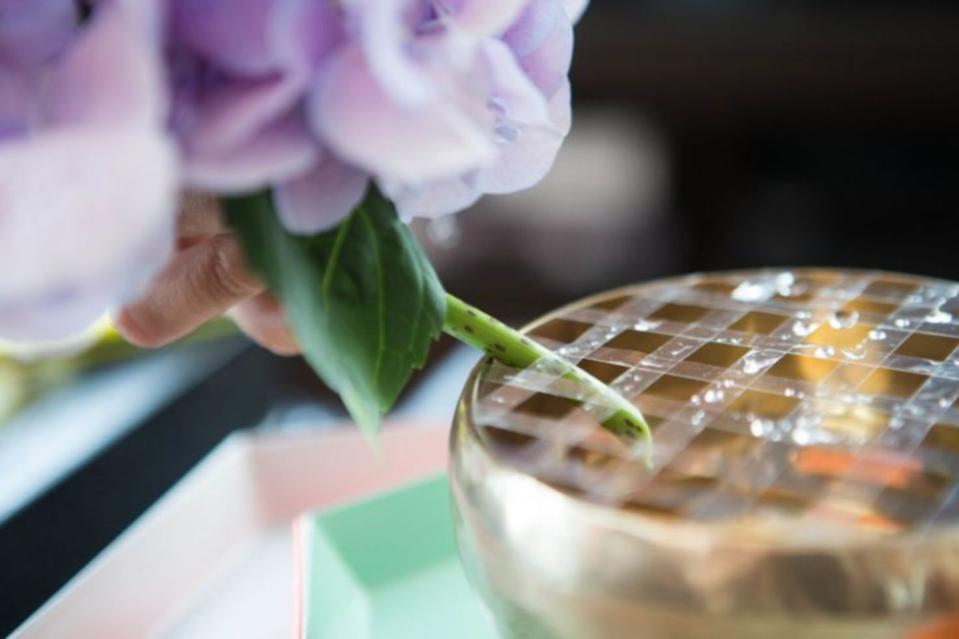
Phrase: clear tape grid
{"type": "Point", "coordinates": [830, 395]}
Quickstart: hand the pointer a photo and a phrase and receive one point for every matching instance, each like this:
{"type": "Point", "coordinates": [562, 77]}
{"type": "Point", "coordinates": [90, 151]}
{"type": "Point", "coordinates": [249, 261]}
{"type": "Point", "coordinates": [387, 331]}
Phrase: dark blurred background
{"type": "Point", "coordinates": [715, 135]}
{"type": "Point", "coordinates": [708, 135]}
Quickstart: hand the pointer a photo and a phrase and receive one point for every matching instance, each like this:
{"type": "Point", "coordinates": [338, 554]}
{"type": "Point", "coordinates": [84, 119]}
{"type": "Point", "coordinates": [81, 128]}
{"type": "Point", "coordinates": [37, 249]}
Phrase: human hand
{"type": "Point", "coordinates": [205, 278]}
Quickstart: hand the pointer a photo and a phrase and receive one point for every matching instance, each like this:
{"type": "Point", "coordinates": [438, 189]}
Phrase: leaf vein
{"type": "Point", "coordinates": [334, 260]}
{"type": "Point", "coordinates": [380, 296]}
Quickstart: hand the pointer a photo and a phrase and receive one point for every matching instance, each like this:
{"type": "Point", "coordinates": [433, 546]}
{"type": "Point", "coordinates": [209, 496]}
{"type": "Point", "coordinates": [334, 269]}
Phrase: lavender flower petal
{"type": "Point", "coordinates": [515, 98]}
{"type": "Point", "coordinates": [279, 152]}
{"type": "Point", "coordinates": [390, 49]}
{"type": "Point", "coordinates": [303, 33]}
{"type": "Point", "coordinates": [526, 160]}
{"type": "Point", "coordinates": [104, 228]}
{"type": "Point", "coordinates": [108, 78]}
{"type": "Point", "coordinates": [15, 103]}
{"type": "Point", "coordinates": [88, 193]}
{"type": "Point", "coordinates": [35, 31]}
{"type": "Point", "coordinates": [484, 17]}
{"type": "Point", "coordinates": [235, 110]}
{"type": "Point", "coordinates": [433, 199]}
{"type": "Point", "coordinates": [542, 40]}
{"type": "Point", "coordinates": [357, 119]}
{"type": "Point", "coordinates": [575, 9]}
{"type": "Point", "coordinates": [232, 34]}
{"type": "Point", "coordinates": [319, 200]}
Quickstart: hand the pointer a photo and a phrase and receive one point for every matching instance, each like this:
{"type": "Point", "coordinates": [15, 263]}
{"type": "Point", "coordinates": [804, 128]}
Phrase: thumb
{"type": "Point", "coordinates": [200, 283]}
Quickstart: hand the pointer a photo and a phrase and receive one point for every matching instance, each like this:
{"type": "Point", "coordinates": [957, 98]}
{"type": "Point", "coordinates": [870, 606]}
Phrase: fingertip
{"type": "Point", "coordinates": [263, 320]}
{"type": "Point", "coordinates": [282, 350]}
{"type": "Point", "coordinates": [129, 323]}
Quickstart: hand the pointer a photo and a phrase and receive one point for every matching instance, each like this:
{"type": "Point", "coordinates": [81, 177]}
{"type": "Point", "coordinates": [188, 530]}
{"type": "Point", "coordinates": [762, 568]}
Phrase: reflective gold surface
{"type": "Point", "coordinates": [804, 481]}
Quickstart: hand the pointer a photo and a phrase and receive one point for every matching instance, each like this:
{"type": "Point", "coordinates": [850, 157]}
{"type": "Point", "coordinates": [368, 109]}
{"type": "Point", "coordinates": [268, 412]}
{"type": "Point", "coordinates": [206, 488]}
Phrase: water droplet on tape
{"type": "Point", "coordinates": [802, 329]}
{"type": "Point", "coordinates": [938, 316]}
{"type": "Point", "coordinates": [757, 361]}
{"type": "Point", "coordinates": [786, 285]}
{"type": "Point", "coordinates": [760, 427]}
{"type": "Point", "coordinates": [825, 352]}
{"type": "Point", "coordinates": [857, 353]}
{"type": "Point", "coordinates": [713, 396]}
{"type": "Point", "coordinates": [843, 319]}
{"type": "Point", "coordinates": [754, 291]}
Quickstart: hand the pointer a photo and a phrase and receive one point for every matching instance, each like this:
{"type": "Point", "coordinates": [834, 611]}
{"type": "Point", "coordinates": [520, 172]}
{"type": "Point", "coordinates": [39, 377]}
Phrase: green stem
{"type": "Point", "coordinates": [477, 329]}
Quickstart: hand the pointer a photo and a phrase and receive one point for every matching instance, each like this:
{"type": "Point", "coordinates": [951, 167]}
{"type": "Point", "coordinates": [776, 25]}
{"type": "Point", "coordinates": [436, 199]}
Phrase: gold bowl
{"type": "Point", "coordinates": [803, 479]}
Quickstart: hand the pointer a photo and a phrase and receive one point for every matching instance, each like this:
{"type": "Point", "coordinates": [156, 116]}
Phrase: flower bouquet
{"type": "Point", "coordinates": [321, 127]}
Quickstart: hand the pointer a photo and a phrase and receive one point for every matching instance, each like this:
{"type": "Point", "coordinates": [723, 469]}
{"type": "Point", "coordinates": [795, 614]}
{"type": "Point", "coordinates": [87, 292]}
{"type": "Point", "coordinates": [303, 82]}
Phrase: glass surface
{"type": "Point", "coordinates": [804, 422]}
{"type": "Point", "coordinates": [816, 378]}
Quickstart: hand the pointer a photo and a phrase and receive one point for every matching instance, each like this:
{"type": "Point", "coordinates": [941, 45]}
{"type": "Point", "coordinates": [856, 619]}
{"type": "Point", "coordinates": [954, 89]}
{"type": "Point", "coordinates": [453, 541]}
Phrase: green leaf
{"type": "Point", "coordinates": [362, 299]}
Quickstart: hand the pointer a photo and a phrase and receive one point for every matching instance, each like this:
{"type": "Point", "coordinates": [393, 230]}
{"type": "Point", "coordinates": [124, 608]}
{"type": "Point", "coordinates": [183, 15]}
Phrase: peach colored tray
{"type": "Point", "coordinates": [214, 557]}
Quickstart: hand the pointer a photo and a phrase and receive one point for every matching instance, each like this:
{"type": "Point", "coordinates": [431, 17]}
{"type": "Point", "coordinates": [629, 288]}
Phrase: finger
{"type": "Point", "coordinates": [262, 318]}
{"type": "Point", "coordinates": [200, 283]}
{"type": "Point", "coordinates": [200, 216]}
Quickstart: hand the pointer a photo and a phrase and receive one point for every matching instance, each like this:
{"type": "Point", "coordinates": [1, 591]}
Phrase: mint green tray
{"type": "Point", "coordinates": [387, 567]}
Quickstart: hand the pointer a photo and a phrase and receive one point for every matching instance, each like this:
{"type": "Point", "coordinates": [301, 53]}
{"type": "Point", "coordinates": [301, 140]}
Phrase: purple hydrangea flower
{"type": "Point", "coordinates": [104, 118]}
{"type": "Point", "coordinates": [87, 174]}
{"type": "Point", "coordinates": [239, 71]}
{"type": "Point", "coordinates": [435, 101]}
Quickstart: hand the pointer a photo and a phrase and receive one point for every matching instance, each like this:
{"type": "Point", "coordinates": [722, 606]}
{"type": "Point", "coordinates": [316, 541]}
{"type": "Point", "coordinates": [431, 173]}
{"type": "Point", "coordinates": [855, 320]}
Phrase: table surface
{"type": "Point", "coordinates": [49, 540]}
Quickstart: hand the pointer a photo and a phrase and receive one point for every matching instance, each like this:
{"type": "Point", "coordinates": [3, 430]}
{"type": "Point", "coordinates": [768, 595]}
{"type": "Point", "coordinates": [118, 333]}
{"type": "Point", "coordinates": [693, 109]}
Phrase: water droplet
{"type": "Point", "coordinates": [758, 360]}
{"type": "Point", "coordinates": [753, 291]}
{"type": "Point", "coordinates": [939, 316]}
{"type": "Point", "coordinates": [877, 335]}
{"type": "Point", "coordinates": [698, 418]}
{"type": "Point", "coordinates": [645, 325]}
{"type": "Point", "coordinates": [902, 322]}
{"type": "Point", "coordinates": [825, 352]}
{"type": "Point", "coordinates": [550, 367]}
{"type": "Point", "coordinates": [727, 383]}
{"type": "Point", "coordinates": [802, 329]}
{"type": "Point", "coordinates": [713, 396]}
{"type": "Point", "coordinates": [944, 403]}
{"type": "Point", "coordinates": [856, 353]}
{"type": "Point", "coordinates": [786, 285]}
{"type": "Point", "coordinates": [792, 392]}
{"type": "Point", "coordinates": [843, 319]}
{"type": "Point", "coordinates": [759, 427]}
